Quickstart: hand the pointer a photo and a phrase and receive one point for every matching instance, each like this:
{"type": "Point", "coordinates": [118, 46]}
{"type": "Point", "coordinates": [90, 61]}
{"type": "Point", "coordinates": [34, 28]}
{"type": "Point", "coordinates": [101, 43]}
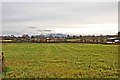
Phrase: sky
{"type": "Point", "coordinates": [78, 18]}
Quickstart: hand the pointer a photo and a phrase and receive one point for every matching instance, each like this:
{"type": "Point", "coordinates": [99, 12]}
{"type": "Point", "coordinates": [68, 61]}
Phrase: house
{"type": "Point", "coordinates": [113, 40]}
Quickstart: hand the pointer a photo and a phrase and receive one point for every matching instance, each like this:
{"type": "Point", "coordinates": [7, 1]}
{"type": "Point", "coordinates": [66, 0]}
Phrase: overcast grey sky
{"type": "Point", "coordinates": [61, 17]}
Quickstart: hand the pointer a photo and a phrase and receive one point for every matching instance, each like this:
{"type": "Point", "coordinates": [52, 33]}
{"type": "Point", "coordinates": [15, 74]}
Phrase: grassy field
{"type": "Point", "coordinates": [30, 60]}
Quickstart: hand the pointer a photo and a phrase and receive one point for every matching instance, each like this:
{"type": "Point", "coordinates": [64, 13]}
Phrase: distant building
{"type": "Point", "coordinates": [113, 40]}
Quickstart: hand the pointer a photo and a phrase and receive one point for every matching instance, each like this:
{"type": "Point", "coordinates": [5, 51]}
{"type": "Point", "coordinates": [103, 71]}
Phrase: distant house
{"type": "Point", "coordinates": [113, 40]}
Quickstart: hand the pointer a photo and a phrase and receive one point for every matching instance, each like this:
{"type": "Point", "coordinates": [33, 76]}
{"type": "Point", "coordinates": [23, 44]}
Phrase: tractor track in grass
{"type": "Point", "coordinates": [64, 48]}
{"type": "Point", "coordinates": [68, 47]}
{"type": "Point", "coordinates": [69, 52]}
{"type": "Point", "coordinates": [56, 47]}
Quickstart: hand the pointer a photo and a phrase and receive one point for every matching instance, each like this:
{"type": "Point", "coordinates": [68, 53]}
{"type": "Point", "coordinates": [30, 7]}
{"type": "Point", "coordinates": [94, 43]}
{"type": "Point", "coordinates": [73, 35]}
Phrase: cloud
{"type": "Point", "coordinates": [57, 12]}
{"type": "Point", "coordinates": [51, 15]}
{"type": "Point", "coordinates": [60, 0]}
{"type": "Point", "coordinates": [31, 27]}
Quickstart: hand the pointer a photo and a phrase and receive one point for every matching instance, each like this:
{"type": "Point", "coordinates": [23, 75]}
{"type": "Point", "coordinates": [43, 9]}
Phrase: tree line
{"type": "Point", "coordinates": [67, 38]}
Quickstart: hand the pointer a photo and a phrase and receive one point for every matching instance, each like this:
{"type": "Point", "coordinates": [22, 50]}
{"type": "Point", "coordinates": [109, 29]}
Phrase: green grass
{"type": "Point", "coordinates": [25, 60]}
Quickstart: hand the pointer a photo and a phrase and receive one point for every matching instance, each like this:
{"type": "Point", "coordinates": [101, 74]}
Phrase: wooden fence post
{"type": "Point", "coordinates": [3, 65]}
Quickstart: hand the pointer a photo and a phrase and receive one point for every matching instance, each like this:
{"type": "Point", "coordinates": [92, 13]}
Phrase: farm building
{"type": "Point", "coordinates": [113, 40]}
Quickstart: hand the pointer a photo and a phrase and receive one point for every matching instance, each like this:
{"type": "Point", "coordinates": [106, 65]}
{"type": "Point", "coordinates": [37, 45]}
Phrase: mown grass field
{"type": "Point", "coordinates": [60, 60]}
